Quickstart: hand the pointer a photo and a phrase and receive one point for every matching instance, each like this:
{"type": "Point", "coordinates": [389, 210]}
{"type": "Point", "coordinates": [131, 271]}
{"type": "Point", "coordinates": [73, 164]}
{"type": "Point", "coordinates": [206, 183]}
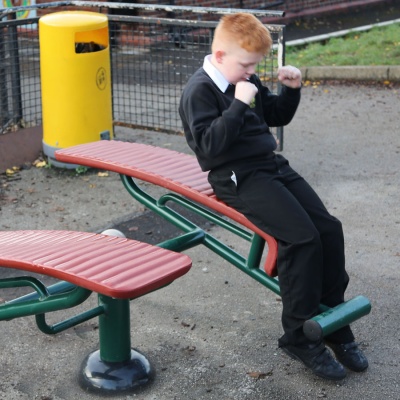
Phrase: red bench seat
{"type": "Point", "coordinates": [167, 168]}
{"type": "Point", "coordinates": [112, 266]}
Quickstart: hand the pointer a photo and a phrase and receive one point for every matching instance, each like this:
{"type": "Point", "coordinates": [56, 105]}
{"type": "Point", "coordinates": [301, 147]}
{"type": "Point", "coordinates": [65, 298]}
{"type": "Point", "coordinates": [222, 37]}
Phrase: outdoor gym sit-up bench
{"type": "Point", "coordinates": [117, 269]}
{"type": "Point", "coordinates": [187, 186]}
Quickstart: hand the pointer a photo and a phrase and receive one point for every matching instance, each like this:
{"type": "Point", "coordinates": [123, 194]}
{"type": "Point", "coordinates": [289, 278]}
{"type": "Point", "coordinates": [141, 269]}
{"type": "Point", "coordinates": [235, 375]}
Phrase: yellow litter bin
{"type": "Point", "coordinates": [75, 80]}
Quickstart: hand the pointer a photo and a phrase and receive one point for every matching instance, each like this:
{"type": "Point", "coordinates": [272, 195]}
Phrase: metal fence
{"type": "Point", "coordinates": [151, 60]}
{"type": "Point", "coordinates": [20, 96]}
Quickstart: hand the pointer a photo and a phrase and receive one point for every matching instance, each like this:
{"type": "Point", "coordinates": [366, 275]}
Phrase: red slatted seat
{"type": "Point", "coordinates": [170, 169]}
{"type": "Point", "coordinates": [113, 266]}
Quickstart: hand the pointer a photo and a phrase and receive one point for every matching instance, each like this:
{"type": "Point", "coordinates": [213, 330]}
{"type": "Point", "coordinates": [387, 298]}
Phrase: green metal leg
{"type": "Point", "coordinates": [116, 367]}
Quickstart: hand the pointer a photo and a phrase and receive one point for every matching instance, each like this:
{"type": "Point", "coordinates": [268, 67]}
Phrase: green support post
{"type": "Point", "coordinates": [115, 367]}
{"type": "Point", "coordinates": [114, 330]}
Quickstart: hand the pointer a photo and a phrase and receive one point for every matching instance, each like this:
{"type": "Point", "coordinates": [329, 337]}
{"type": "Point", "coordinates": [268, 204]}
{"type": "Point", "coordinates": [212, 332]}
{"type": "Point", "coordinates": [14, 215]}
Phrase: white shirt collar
{"type": "Point", "coordinates": [214, 74]}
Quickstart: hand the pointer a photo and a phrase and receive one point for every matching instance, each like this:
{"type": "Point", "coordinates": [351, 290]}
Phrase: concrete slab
{"type": "Point", "coordinates": [351, 73]}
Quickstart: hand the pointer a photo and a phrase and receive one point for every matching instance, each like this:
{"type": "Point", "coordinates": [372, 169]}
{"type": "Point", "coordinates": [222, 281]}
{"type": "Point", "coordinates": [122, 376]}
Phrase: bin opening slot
{"type": "Point", "coordinates": [88, 47]}
{"type": "Point", "coordinates": [91, 41]}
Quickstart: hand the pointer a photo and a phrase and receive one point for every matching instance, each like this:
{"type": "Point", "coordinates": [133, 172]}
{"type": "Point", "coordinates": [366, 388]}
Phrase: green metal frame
{"type": "Point", "coordinates": [330, 319]}
{"type": "Point", "coordinates": [60, 297]}
{"type": "Point", "coordinates": [115, 367]}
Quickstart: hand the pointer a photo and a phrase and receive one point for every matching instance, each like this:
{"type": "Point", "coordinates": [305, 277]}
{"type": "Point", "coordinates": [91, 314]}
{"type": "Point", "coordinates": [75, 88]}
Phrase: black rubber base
{"type": "Point", "coordinates": [115, 377]}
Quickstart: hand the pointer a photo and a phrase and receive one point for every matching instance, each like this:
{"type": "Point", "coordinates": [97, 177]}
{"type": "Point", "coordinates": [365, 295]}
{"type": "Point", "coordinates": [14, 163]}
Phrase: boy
{"type": "Point", "coordinates": [226, 115]}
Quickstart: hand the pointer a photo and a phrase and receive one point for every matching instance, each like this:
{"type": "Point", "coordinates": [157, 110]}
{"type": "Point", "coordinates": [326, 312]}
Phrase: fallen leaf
{"type": "Point", "coordinates": [40, 164]}
{"type": "Point", "coordinates": [102, 174]}
{"type": "Point", "coordinates": [259, 375]}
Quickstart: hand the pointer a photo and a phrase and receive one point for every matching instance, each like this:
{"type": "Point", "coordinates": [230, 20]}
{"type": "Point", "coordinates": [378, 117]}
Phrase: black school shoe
{"type": "Point", "coordinates": [350, 356]}
{"type": "Point", "coordinates": [318, 359]}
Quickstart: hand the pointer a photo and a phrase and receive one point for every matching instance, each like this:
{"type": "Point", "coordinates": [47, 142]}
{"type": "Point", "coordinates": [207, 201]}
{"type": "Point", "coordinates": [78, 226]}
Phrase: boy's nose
{"type": "Point", "coordinates": [251, 70]}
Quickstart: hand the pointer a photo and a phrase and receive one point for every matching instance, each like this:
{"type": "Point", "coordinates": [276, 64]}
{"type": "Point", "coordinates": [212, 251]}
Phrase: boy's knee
{"type": "Point", "coordinates": [333, 227]}
{"type": "Point", "coordinates": [305, 236]}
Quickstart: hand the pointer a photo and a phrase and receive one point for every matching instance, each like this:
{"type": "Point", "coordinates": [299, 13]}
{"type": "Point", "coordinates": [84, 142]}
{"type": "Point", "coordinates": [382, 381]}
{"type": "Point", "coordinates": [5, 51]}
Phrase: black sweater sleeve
{"type": "Point", "coordinates": [278, 110]}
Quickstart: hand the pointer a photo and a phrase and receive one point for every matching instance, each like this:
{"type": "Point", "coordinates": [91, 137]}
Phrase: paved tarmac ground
{"type": "Point", "coordinates": [213, 333]}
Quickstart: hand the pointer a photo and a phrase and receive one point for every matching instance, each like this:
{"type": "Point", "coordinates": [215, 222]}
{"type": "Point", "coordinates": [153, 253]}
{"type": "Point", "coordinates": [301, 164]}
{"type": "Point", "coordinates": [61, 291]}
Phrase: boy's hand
{"type": "Point", "coordinates": [290, 76]}
{"type": "Point", "coordinates": [245, 91]}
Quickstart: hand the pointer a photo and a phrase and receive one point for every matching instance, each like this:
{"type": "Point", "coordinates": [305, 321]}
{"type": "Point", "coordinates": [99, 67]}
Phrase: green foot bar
{"type": "Point", "coordinates": [116, 367]}
{"type": "Point", "coordinates": [335, 318]}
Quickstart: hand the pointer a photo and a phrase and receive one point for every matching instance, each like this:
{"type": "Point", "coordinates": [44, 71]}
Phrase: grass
{"type": "Point", "coordinates": [379, 46]}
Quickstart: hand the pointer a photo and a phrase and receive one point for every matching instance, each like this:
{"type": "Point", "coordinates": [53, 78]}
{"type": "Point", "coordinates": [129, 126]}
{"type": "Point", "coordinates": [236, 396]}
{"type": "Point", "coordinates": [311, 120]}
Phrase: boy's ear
{"type": "Point", "coordinates": [219, 55]}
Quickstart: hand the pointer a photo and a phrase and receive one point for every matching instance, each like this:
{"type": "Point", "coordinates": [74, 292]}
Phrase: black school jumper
{"type": "Point", "coordinates": [233, 142]}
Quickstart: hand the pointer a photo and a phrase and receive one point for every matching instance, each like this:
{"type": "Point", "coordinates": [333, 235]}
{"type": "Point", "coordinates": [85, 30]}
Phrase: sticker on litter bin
{"type": "Point", "coordinates": [101, 78]}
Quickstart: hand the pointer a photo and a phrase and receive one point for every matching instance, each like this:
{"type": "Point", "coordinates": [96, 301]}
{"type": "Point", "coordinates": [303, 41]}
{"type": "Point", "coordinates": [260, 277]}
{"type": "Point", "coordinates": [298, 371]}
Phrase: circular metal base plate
{"type": "Point", "coordinates": [115, 377]}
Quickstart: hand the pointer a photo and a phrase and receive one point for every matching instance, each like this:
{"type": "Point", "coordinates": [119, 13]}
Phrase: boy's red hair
{"type": "Point", "coordinates": [245, 30]}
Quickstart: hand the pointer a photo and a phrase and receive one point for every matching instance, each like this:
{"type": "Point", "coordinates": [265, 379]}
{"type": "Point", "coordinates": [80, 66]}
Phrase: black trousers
{"type": "Point", "coordinates": [311, 261]}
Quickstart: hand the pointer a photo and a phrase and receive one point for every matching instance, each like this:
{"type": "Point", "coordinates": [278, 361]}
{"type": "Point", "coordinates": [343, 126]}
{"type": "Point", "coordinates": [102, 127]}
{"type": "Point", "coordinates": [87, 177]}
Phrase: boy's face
{"type": "Point", "coordinates": [237, 64]}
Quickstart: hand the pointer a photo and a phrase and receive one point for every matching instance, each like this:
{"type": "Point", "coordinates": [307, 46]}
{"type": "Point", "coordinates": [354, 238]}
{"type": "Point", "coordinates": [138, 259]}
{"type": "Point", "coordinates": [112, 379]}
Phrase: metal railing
{"type": "Point", "coordinates": [151, 59]}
